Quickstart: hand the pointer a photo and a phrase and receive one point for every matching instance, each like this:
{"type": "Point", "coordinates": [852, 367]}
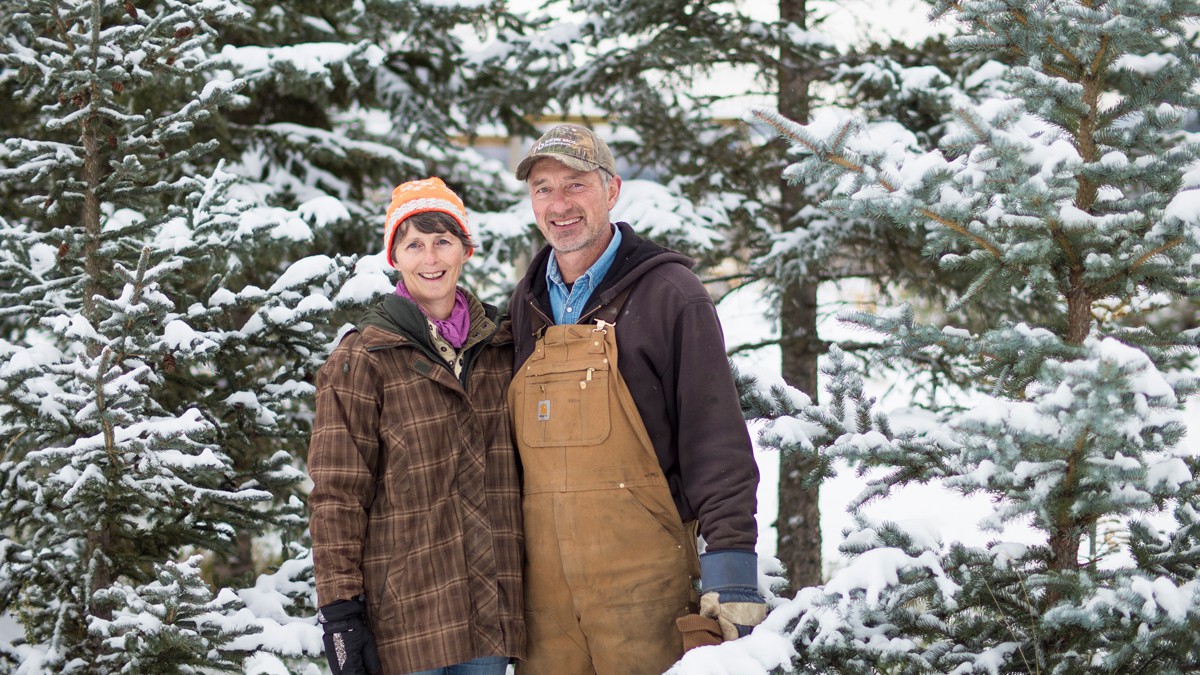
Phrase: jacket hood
{"type": "Point", "coordinates": [394, 315]}
{"type": "Point", "coordinates": [400, 317]}
{"type": "Point", "coordinates": [635, 256]}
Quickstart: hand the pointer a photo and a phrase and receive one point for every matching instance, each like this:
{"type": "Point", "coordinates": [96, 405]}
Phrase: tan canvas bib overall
{"type": "Point", "coordinates": [608, 564]}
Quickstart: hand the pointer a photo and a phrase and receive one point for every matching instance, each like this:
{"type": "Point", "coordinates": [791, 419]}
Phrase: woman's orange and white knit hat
{"type": "Point", "coordinates": [419, 196]}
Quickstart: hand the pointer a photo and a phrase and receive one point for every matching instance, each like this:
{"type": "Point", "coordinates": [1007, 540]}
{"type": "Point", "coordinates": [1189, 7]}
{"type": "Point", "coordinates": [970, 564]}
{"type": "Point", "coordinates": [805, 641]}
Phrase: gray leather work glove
{"type": "Point", "coordinates": [349, 645]}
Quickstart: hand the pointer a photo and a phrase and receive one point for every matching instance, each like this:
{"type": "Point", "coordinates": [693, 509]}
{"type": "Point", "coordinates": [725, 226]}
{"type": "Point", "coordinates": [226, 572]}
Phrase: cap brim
{"type": "Point", "coordinates": [526, 164]}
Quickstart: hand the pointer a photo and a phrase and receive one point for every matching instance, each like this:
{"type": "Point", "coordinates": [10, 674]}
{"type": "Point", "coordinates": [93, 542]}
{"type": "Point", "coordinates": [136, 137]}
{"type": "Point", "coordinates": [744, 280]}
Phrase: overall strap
{"type": "Point", "coordinates": [608, 312]}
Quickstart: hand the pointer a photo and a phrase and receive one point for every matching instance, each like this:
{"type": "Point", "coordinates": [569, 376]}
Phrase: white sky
{"type": "Point", "coordinates": [858, 21]}
{"type": "Point", "coordinates": [849, 22]}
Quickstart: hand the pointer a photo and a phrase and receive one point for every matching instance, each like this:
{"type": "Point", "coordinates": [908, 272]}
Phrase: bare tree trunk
{"type": "Point", "coordinates": [93, 170]}
{"type": "Point", "coordinates": [99, 542]}
{"type": "Point", "coordinates": [799, 523]}
{"type": "Point", "coordinates": [239, 565]}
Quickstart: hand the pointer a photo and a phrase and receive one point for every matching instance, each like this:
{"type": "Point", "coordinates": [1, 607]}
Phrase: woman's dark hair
{"type": "Point", "coordinates": [433, 222]}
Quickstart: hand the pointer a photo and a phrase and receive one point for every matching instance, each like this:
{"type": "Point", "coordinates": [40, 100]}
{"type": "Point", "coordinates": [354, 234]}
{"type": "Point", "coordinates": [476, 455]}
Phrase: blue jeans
{"type": "Point", "coordinates": [484, 665]}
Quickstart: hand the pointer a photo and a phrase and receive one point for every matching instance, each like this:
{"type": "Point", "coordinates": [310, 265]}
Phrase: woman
{"type": "Point", "coordinates": [416, 512]}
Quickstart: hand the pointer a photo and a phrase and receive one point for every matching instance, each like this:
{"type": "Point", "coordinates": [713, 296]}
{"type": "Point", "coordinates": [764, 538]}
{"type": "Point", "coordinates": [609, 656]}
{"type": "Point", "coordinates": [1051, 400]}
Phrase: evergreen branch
{"type": "Point", "coordinates": [976, 286]}
{"type": "Point", "coordinates": [1005, 619]}
{"type": "Point", "coordinates": [1051, 70]}
{"type": "Point", "coordinates": [1022, 19]}
{"type": "Point", "coordinates": [988, 28]}
{"type": "Point", "coordinates": [1034, 619]}
{"type": "Point", "coordinates": [1061, 50]}
{"type": "Point", "coordinates": [731, 277]}
{"type": "Point", "coordinates": [1095, 69]}
{"type": "Point", "coordinates": [8, 448]}
{"type": "Point", "coordinates": [1142, 260]}
{"type": "Point", "coordinates": [752, 346]}
{"type": "Point", "coordinates": [63, 30]}
{"type": "Point", "coordinates": [1161, 249]}
{"type": "Point", "coordinates": [811, 147]}
{"type": "Point", "coordinates": [1051, 42]}
{"type": "Point", "coordinates": [1060, 238]}
{"type": "Point", "coordinates": [856, 168]}
{"type": "Point", "coordinates": [1062, 556]}
{"type": "Point", "coordinates": [849, 165]}
{"type": "Point", "coordinates": [960, 229]}
{"type": "Point", "coordinates": [857, 346]}
{"type": "Point", "coordinates": [854, 347]}
{"type": "Point", "coordinates": [110, 440]}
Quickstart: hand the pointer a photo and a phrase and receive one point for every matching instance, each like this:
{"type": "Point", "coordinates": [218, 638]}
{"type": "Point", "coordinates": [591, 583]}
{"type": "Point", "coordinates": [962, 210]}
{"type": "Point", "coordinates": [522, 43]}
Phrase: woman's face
{"type": "Point", "coordinates": [430, 264]}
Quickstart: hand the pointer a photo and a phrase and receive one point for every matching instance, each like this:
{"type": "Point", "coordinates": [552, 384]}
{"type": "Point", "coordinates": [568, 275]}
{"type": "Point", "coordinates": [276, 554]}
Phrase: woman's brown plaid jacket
{"type": "Point", "coordinates": [415, 500]}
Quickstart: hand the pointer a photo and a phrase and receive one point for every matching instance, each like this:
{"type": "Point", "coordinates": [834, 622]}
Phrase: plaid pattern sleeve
{"type": "Point", "coordinates": [342, 457]}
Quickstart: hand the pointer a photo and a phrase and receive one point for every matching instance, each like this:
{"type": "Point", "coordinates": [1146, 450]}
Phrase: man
{"type": "Point", "coordinates": [629, 431]}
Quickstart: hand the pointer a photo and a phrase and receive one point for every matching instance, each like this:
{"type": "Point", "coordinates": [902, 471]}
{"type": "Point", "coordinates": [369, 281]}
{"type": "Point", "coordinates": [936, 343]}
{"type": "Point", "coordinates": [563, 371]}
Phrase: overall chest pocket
{"type": "Point", "coordinates": [566, 405]}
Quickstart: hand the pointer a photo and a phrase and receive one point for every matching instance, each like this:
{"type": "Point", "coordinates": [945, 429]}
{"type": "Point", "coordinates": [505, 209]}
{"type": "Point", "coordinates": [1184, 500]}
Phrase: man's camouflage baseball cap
{"type": "Point", "coordinates": [577, 147]}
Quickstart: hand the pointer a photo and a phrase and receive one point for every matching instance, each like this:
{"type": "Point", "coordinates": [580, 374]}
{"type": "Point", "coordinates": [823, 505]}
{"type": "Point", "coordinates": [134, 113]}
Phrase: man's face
{"type": "Point", "coordinates": [571, 207]}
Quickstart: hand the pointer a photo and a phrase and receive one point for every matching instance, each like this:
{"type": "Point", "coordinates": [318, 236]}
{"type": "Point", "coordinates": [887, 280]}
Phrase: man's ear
{"type": "Point", "coordinates": [614, 191]}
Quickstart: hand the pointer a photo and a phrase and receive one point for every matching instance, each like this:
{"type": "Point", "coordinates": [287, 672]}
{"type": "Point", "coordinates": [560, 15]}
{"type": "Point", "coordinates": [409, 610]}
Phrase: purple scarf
{"type": "Point", "coordinates": [455, 328]}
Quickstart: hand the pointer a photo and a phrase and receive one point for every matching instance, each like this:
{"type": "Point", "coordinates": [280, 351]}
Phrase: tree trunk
{"type": "Point", "coordinates": [238, 566]}
{"type": "Point", "coordinates": [93, 175]}
{"type": "Point", "coordinates": [799, 522]}
{"type": "Point", "coordinates": [99, 541]}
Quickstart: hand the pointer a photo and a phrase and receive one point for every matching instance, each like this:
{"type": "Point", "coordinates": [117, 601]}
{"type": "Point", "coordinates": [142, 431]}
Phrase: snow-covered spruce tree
{"type": "Point", "coordinates": [172, 624]}
{"type": "Point", "coordinates": [345, 100]}
{"type": "Point", "coordinates": [914, 87]}
{"type": "Point", "coordinates": [1073, 182]}
{"type": "Point", "coordinates": [147, 389]}
{"type": "Point", "coordinates": [342, 101]}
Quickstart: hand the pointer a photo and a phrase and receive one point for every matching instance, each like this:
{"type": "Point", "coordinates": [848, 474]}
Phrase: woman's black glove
{"type": "Point", "coordinates": [349, 645]}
